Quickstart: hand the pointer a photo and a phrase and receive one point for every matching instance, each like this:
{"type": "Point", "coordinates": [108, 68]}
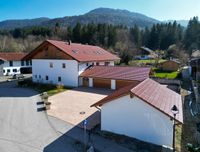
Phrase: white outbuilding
{"type": "Point", "coordinates": [142, 112]}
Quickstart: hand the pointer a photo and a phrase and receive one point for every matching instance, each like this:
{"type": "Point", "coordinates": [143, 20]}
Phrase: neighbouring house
{"type": "Point", "coordinates": [169, 65]}
{"type": "Point", "coordinates": [195, 68]}
{"type": "Point", "coordinates": [146, 54]}
{"type": "Point", "coordinates": [13, 64]}
{"type": "Point", "coordinates": [195, 54]}
{"type": "Point", "coordinates": [61, 62]}
{"type": "Point", "coordinates": [142, 111]}
{"type": "Point", "coordinates": [113, 77]}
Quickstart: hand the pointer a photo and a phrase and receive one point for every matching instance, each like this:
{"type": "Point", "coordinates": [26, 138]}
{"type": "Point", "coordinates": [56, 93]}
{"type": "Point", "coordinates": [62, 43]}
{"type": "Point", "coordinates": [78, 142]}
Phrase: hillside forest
{"type": "Point", "coordinates": [171, 39]}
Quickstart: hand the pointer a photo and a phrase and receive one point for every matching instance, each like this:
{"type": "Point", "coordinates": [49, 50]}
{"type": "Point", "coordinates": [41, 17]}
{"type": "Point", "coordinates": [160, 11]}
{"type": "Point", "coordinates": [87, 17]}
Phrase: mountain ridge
{"type": "Point", "coordinates": [98, 15]}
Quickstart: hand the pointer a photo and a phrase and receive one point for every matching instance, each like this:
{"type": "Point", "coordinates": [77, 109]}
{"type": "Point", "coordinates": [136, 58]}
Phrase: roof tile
{"type": "Point", "coordinates": [152, 93]}
{"type": "Point", "coordinates": [117, 72]}
{"type": "Point", "coordinates": [11, 56]}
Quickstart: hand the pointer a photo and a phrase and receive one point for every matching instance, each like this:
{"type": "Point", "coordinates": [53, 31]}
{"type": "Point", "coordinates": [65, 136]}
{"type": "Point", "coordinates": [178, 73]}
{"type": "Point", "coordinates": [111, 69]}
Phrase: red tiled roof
{"type": "Point", "coordinates": [152, 93]}
{"type": "Point", "coordinates": [82, 52]}
{"type": "Point", "coordinates": [117, 72]}
{"type": "Point", "coordinates": [11, 56]}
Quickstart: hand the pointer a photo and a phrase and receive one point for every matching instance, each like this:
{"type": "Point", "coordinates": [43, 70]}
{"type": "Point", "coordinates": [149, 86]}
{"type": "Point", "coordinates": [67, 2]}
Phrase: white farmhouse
{"type": "Point", "coordinates": [142, 111]}
{"type": "Point", "coordinates": [12, 63]}
{"type": "Point", "coordinates": [61, 62]}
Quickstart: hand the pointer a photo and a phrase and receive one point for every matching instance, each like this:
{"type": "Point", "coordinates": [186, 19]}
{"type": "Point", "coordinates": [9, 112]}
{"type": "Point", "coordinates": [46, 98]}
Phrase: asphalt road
{"type": "Point", "coordinates": [22, 127]}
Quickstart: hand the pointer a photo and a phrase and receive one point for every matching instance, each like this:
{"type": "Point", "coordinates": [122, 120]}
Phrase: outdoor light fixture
{"type": "Point", "coordinates": [175, 111]}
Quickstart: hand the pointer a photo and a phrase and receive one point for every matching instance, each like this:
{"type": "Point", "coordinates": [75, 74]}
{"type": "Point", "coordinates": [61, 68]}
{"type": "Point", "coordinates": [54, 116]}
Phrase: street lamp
{"type": "Point", "coordinates": [175, 111]}
{"type": "Point", "coordinates": [85, 127]}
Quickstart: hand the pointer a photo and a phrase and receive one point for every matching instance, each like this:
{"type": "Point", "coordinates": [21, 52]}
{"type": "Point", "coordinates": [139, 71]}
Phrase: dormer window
{"type": "Point", "coordinates": [75, 51]}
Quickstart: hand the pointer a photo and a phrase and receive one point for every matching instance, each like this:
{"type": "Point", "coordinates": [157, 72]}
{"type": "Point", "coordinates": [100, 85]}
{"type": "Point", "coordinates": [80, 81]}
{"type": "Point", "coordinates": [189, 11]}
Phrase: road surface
{"type": "Point", "coordinates": [22, 128]}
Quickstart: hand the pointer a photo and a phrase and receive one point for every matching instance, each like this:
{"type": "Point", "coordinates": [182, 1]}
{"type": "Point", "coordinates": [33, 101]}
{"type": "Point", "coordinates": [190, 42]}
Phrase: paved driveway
{"type": "Point", "coordinates": [69, 105]}
{"type": "Point", "coordinates": [22, 128]}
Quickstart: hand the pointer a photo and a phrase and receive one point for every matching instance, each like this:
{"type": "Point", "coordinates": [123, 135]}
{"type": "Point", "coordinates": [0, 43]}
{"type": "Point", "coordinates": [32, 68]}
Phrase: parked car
{"type": "Point", "coordinates": [18, 76]}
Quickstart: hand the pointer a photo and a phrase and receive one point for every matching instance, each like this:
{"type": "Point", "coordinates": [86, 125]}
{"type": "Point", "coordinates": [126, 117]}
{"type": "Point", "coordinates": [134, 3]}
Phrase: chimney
{"type": "Point", "coordinates": [69, 42]}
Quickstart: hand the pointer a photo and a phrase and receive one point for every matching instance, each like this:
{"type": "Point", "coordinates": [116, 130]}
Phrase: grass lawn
{"type": "Point", "coordinates": [152, 61]}
{"type": "Point", "coordinates": [49, 88]}
{"type": "Point", "coordinates": [163, 74]}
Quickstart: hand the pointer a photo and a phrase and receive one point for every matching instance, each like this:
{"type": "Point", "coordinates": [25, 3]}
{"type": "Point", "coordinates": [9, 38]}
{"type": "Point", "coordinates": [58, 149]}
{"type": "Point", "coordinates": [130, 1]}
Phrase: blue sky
{"type": "Point", "coordinates": [158, 9]}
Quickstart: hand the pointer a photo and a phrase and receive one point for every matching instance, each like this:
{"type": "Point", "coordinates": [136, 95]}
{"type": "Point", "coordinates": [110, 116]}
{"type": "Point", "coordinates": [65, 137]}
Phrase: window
{"type": "Point", "coordinates": [8, 70]}
{"type": "Point", "coordinates": [27, 62]}
{"type": "Point", "coordinates": [59, 79]}
{"type": "Point", "coordinates": [36, 76]}
{"type": "Point", "coordinates": [97, 63]}
{"type": "Point", "coordinates": [107, 63]}
{"type": "Point", "coordinates": [30, 62]}
{"type": "Point", "coordinates": [47, 78]}
{"type": "Point", "coordinates": [87, 64]}
{"type": "Point", "coordinates": [51, 65]}
{"type": "Point", "coordinates": [63, 65]}
{"type": "Point", "coordinates": [11, 63]}
{"type": "Point", "coordinates": [14, 70]}
{"type": "Point", "coordinates": [4, 71]}
{"type": "Point", "coordinates": [22, 63]}
{"type": "Point", "coordinates": [39, 76]}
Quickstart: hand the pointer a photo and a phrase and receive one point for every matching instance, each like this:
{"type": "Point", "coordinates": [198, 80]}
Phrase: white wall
{"type": "Point", "coordinates": [16, 65]}
{"type": "Point", "coordinates": [135, 118]}
{"type": "Point", "coordinates": [113, 84]}
{"type": "Point", "coordinates": [69, 74]}
{"type": "Point", "coordinates": [111, 63]}
{"type": "Point", "coordinates": [83, 66]}
{"type": "Point", "coordinates": [90, 82]}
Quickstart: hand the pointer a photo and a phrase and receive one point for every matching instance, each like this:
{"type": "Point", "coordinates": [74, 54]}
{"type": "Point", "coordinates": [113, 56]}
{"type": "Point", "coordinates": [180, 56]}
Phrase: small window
{"type": "Point", "coordinates": [97, 63]}
{"type": "Point", "coordinates": [14, 70]}
{"type": "Point", "coordinates": [27, 62]}
{"type": "Point", "coordinates": [36, 76]}
{"type": "Point", "coordinates": [11, 63]}
{"type": "Point", "coordinates": [30, 62]}
{"type": "Point", "coordinates": [39, 76]}
{"type": "Point", "coordinates": [59, 79]}
{"type": "Point", "coordinates": [107, 63]}
{"type": "Point", "coordinates": [4, 71]}
{"type": "Point", "coordinates": [51, 65]}
{"type": "Point", "coordinates": [63, 65]}
{"type": "Point", "coordinates": [22, 63]}
{"type": "Point", "coordinates": [8, 70]}
{"type": "Point", "coordinates": [87, 64]}
{"type": "Point", "coordinates": [47, 78]}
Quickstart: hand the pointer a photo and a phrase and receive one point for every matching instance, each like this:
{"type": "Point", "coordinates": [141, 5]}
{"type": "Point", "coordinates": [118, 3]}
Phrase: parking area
{"type": "Point", "coordinates": [73, 106]}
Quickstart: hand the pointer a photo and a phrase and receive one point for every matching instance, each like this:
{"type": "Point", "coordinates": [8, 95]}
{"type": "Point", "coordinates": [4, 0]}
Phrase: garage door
{"type": "Point", "coordinates": [102, 83]}
{"type": "Point", "coordinates": [122, 83]}
{"type": "Point", "coordinates": [85, 82]}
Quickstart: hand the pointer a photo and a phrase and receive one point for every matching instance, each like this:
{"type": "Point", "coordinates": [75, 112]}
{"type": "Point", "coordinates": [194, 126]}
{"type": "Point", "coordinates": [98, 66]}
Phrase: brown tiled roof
{"type": "Point", "coordinates": [11, 56]}
{"type": "Point", "coordinates": [81, 52]}
{"type": "Point", "coordinates": [117, 72]}
{"type": "Point", "coordinates": [175, 61]}
{"type": "Point", "coordinates": [154, 94]}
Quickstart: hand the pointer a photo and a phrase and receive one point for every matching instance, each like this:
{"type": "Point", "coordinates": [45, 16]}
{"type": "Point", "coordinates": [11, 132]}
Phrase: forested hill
{"type": "Point", "coordinates": [12, 24]}
{"type": "Point", "coordinates": [100, 15]}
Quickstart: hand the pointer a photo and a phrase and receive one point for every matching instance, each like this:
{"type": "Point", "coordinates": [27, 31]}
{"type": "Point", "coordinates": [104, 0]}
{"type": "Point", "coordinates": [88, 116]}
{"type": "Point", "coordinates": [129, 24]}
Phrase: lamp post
{"type": "Point", "coordinates": [84, 127]}
{"type": "Point", "coordinates": [175, 111]}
